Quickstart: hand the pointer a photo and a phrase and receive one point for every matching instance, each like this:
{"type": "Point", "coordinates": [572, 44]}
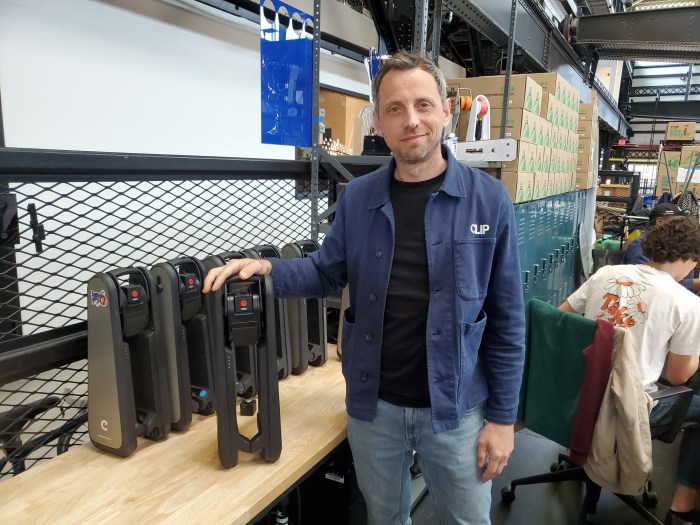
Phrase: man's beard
{"type": "Point", "coordinates": [419, 155]}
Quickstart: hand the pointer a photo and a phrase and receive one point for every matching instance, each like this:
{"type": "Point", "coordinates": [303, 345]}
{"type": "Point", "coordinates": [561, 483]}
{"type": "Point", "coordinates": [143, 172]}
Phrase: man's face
{"type": "Point", "coordinates": [410, 116]}
{"type": "Point", "coordinates": [662, 219]}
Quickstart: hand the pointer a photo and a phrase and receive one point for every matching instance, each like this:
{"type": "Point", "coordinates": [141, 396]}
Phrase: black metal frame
{"type": "Point", "coordinates": [544, 47]}
{"type": "Point", "coordinates": [251, 11]}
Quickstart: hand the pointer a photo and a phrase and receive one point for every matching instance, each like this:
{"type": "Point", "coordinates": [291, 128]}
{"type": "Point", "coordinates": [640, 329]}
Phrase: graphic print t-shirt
{"type": "Point", "coordinates": [660, 314]}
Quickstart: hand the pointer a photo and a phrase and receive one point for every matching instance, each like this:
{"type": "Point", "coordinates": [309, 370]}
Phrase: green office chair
{"type": "Point", "coordinates": [555, 341]}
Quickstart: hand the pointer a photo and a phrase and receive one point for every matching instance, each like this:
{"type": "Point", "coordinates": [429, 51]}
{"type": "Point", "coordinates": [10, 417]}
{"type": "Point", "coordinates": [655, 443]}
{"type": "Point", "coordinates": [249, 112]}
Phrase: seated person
{"type": "Point", "coordinates": [634, 254]}
{"type": "Point", "coordinates": [664, 322]}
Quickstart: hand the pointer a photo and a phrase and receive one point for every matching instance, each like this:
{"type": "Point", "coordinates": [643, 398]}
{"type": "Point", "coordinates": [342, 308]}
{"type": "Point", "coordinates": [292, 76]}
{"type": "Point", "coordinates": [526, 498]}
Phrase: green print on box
{"type": "Point", "coordinates": [537, 104]}
{"type": "Point", "coordinates": [528, 101]}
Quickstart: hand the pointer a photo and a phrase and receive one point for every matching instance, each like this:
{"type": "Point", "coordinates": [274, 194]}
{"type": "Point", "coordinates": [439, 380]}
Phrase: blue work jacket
{"type": "Point", "coordinates": [475, 327]}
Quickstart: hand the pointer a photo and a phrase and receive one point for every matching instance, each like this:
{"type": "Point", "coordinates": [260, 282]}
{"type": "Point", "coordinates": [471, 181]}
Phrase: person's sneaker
{"type": "Point", "coordinates": [674, 519]}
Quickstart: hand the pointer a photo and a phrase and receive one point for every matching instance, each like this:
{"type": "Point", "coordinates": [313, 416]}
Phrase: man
{"type": "Point", "coordinates": [664, 322]}
{"type": "Point", "coordinates": [635, 255]}
{"type": "Point", "coordinates": [433, 340]}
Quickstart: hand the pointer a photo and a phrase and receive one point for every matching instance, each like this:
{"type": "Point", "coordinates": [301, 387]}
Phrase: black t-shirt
{"type": "Point", "coordinates": [403, 378]}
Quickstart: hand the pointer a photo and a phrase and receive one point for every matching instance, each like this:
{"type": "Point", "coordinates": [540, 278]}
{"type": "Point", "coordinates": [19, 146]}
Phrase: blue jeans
{"type": "Point", "coordinates": [383, 453]}
{"type": "Point", "coordinates": [689, 455]}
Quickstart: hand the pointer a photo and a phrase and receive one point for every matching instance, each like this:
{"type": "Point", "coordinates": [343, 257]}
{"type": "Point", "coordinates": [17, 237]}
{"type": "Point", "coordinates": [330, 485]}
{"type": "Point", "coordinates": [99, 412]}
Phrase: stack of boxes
{"type": "Point", "coordinates": [560, 105]}
{"type": "Point", "coordinates": [543, 118]}
{"type": "Point", "coordinates": [523, 124]}
{"type": "Point", "coordinates": [668, 172]}
{"type": "Point", "coordinates": [587, 151]}
{"type": "Point", "coordinates": [678, 166]}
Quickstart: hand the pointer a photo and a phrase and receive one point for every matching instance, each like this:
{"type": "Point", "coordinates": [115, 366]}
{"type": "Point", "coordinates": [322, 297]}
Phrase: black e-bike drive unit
{"type": "Point", "coordinates": [243, 315]}
{"type": "Point", "coordinates": [307, 318]}
{"type": "Point", "coordinates": [184, 321]}
{"type": "Point", "coordinates": [284, 350]}
{"type": "Point", "coordinates": [127, 383]}
{"type": "Point", "coordinates": [245, 355]}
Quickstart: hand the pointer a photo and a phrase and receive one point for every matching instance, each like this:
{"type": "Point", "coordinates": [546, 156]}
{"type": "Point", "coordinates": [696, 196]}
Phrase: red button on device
{"type": "Point", "coordinates": [134, 293]}
{"type": "Point", "coordinates": [243, 303]}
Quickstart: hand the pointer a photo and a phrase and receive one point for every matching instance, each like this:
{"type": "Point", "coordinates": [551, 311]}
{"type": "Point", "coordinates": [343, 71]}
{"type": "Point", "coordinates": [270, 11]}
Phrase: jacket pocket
{"type": "Point", "coordinates": [472, 262]}
{"type": "Point", "coordinates": [470, 340]}
{"type": "Point", "coordinates": [347, 342]}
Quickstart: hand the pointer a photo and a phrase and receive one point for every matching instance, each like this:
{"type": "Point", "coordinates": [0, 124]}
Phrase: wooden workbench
{"type": "Point", "coordinates": [180, 479]}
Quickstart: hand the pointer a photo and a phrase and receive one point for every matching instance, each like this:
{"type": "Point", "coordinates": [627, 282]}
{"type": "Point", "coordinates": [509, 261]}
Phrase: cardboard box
{"type": "Point", "coordinates": [541, 125]}
{"type": "Point", "coordinates": [587, 129]}
{"type": "Point", "coordinates": [547, 134]}
{"type": "Point", "coordinates": [680, 131]}
{"type": "Point", "coordinates": [668, 165]}
{"type": "Point", "coordinates": [551, 108]}
{"type": "Point", "coordinates": [524, 93]}
{"type": "Point", "coordinates": [546, 159]}
{"type": "Point", "coordinates": [662, 185]}
{"type": "Point", "coordinates": [553, 83]}
{"type": "Point", "coordinates": [539, 159]}
{"type": "Point", "coordinates": [690, 155]}
{"type": "Point", "coordinates": [574, 142]}
{"type": "Point", "coordinates": [573, 120]}
{"type": "Point", "coordinates": [551, 183]}
{"type": "Point", "coordinates": [563, 139]}
{"type": "Point", "coordinates": [557, 164]}
{"type": "Point", "coordinates": [525, 161]}
{"type": "Point", "coordinates": [540, 186]}
{"type": "Point", "coordinates": [342, 113]}
{"type": "Point", "coordinates": [584, 180]}
{"type": "Point", "coordinates": [520, 124]}
{"type": "Point", "coordinates": [588, 112]}
{"type": "Point", "coordinates": [693, 187]}
{"type": "Point", "coordinates": [519, 185]}
{"type": "Point", "coordinates": [584, 162]}
{"type": "Point", "coordinates": [586, 154]}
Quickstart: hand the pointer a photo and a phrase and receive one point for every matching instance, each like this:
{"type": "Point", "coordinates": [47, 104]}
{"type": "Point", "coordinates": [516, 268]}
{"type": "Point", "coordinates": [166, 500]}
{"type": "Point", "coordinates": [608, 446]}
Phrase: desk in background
{"type": "Point", "coordinates": [180, 479]}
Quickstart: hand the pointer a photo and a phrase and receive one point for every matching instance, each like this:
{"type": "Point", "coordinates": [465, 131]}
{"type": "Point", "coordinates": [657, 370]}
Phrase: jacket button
{"type": "Point", "coordinates": [379, 253]}
{"type": "Point", "coordinates": [368, 336]}
{"type": "Point", "coordinates": [363, 377]}
{"type": "Point", "coordinates": [372, 297]}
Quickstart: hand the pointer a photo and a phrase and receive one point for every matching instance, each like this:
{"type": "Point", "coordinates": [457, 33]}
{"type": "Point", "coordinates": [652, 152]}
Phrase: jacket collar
{"type": "Point", "coordinates": [453, 184]}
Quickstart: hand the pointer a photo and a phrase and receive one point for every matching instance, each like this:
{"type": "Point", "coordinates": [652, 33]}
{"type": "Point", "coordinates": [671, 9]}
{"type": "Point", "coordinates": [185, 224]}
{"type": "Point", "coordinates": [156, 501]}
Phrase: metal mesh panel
{"type": "Point", "coordinates": [97, 226]}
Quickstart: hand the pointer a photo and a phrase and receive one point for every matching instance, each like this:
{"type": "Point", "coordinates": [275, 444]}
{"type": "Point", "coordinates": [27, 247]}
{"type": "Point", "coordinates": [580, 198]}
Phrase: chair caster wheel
{"type": "Point", "coordinates": [507, 495]}
{"type": "Point", "coordinates": [557, 466]}
{"type": "Point", "coordinates": [650, 499]}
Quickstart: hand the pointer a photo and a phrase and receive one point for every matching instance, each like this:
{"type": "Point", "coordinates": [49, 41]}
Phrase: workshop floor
{"type": "Point", "coordinates": [559, 504]}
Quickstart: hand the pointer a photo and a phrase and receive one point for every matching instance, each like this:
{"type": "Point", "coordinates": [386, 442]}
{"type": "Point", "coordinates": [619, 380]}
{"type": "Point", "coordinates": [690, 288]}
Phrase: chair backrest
{"type": "Point", "coordinates": [554, 368]}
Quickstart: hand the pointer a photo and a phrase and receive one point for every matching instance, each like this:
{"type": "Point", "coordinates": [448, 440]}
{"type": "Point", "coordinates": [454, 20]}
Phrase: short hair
{"type": "Point", "coordinates": [405, 61]}
{"type": "Point", "coordinates": [676, 240]}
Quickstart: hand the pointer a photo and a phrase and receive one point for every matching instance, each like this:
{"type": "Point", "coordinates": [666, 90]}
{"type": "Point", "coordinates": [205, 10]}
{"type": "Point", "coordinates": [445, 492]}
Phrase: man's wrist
{"type": "Point", "coordinates": [267, 265]}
